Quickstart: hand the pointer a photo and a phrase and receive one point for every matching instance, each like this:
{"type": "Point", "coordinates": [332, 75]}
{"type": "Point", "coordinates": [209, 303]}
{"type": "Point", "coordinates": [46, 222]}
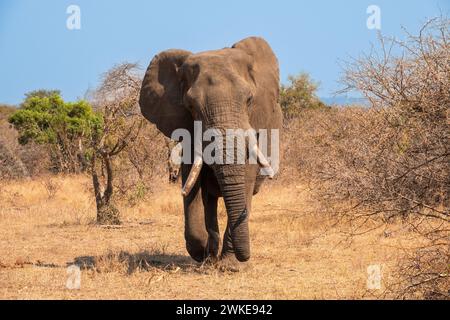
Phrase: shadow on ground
{"type": "Point", "coordinates": [132, 262]}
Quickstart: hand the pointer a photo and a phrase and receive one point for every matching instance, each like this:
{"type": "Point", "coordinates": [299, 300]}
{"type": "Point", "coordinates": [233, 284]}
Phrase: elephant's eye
{"type": "Point", "coordinates": [250, 100]}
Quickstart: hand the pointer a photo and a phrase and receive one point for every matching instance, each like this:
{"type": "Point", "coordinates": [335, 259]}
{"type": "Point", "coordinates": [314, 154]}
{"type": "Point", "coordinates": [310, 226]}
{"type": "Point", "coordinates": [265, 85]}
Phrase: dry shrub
{"type": "Point", "coordinates": [391, 160]}
{"type": "Point", "coordinates": [425, 274]}
{"type": "Point", "coordinates": [52, 186]}
{"type": "Point", "coordinates": [410, 140]}
{"type": "Point", "coordinates": [141, 168]}
{"type": "Point", "coordinates": [17, 161]}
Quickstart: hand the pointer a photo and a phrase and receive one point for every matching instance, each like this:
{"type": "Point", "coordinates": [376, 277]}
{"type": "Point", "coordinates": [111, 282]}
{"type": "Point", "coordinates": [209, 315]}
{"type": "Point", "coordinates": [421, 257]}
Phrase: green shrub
{"type": "Point", "coordinates": [66, 127]}
{"type": "Point", "coordinates": [299, 95]}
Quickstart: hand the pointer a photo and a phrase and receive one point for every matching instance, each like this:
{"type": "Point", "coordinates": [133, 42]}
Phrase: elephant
{"type": "Point", "coordinates": [234, 87]}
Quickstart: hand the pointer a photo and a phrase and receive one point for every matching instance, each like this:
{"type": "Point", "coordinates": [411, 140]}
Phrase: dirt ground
{"type": "Point", "coordinates": [48, 224]}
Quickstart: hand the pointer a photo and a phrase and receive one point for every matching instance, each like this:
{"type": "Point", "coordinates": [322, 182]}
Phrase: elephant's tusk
{"type": "Point", "coordinates": [262, 161]}
{"type": "Point", "coordinates": [193, 175]}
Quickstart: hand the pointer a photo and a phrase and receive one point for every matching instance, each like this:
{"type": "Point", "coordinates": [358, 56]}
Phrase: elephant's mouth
{"type": "Point", "coordinates": [198, 163]}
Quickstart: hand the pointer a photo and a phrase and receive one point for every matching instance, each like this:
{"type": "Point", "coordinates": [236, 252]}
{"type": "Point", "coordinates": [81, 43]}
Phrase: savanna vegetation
{"type": "Point", "coordinates": [389, 162]}
{"type": "Point", "coordinates": [358, 186]}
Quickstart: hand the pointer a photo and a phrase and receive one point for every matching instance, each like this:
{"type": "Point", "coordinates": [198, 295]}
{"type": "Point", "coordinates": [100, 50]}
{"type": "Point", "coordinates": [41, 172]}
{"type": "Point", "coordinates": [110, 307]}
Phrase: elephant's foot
{"type": "Point", "coordinates": [213, 245]}
{"type": "Point", "coordinates": [196, 249]}
{"type": "Point", "coordinates": [211, 261]}
{"type": "Point", "coordinates": [228, 262]}
{"type": "Point", "coordinates": [203, 254]}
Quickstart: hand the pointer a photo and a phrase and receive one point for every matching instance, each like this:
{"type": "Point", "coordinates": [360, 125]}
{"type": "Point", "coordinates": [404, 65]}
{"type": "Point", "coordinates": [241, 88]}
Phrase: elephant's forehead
{"type": "Point", "coordinates": [221, 57]}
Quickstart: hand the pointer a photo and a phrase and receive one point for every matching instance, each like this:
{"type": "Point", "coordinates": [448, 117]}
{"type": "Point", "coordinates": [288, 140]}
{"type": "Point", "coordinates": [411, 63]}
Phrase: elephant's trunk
{"type": "Point", "coordinates": [231, 178]}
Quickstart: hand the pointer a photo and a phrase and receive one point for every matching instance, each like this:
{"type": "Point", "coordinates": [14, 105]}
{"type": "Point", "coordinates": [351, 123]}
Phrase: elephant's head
{"type": "Point", "coordinates": [230, 88]}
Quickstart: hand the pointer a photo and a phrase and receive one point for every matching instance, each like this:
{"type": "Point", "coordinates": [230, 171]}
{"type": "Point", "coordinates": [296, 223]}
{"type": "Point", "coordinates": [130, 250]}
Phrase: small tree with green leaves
{"type": "Point", "coordinates": [40, 93]}
{"type": "Point", "coordinates": [298, 95]}
{"type": "Point", "coordinates": [109, 132]}
{"type": "Point", "coordinates": [65, 127]}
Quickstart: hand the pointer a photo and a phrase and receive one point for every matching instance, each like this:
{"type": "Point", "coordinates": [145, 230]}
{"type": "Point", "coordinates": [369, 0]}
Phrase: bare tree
{"type": "Point", "coordinates": [116, 98]}
{"type": "Point", "coordinates": [130, 152]}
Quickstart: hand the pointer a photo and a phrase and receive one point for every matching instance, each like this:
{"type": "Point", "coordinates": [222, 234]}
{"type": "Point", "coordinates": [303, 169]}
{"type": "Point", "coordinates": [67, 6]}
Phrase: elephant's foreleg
{"type": "Point", "coordinates": [212, 225]}
{"type": "Point", "coordinates": [195, 232]}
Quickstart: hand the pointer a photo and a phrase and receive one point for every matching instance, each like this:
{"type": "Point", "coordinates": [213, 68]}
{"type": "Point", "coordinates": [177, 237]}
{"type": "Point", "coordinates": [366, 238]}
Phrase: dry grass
{"type": "Point", "coordinates": [298, 253]}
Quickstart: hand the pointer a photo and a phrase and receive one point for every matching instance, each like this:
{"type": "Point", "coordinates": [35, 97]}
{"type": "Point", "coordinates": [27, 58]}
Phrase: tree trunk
{"type": "Point", "coordinates": [107, 213]}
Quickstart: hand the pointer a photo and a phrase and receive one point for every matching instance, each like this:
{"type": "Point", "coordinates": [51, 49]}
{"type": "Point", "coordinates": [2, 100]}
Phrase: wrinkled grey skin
{"type": "Point", "coordinates": [235, 87]}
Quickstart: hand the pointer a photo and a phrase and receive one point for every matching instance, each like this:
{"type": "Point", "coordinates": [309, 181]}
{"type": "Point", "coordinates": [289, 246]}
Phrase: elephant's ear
{"type": "Point", "coordinates": [265, 73]}
{"type": "Point", "coordinates": [161, 98]}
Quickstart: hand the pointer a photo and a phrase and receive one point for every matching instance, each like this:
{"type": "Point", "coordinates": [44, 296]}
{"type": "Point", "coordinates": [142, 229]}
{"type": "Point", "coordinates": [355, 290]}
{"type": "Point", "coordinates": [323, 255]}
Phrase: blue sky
{"type": "Point", "coordinates": [38, 51]}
